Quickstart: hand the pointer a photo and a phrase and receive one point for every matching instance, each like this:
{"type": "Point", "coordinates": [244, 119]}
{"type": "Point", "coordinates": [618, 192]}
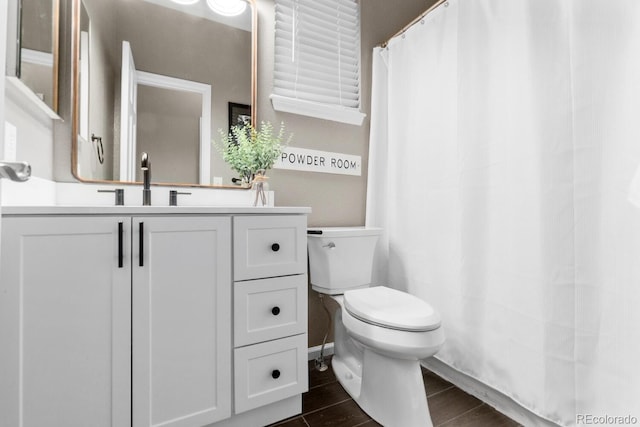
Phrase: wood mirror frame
{"type": "Point", "coordinates": [75, 98]}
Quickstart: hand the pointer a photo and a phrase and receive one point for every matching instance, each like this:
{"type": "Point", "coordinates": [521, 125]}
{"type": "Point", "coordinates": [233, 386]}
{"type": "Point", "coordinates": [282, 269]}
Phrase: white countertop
{"type": "Point", "coordinates": [43, 197]}
{"type": "Point", "coordinates": [151, 210]}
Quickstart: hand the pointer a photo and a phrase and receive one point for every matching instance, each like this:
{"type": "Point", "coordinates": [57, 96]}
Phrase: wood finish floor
{"type": "Point", "coordinates": [326, 404]}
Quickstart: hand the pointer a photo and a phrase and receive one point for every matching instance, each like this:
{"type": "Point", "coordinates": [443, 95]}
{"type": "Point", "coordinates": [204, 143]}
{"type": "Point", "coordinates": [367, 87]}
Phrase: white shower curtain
{"type": "Point", "coordinates": [505, 135]}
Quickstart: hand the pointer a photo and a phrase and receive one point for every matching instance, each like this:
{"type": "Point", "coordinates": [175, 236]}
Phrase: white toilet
{"type": "Point", "coordinates": [380, 333]}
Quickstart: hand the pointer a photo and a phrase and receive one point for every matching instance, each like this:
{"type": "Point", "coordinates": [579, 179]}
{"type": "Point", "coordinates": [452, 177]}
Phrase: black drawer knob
{"type": "Point", "coordinates": [275, 247]}
{"type": "Point", "coordinates": [275, 374]}
{"type": "Point", "coordinates": [275, 311]}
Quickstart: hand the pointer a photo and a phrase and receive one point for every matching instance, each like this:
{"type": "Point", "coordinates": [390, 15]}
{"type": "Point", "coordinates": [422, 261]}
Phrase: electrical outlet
{"type": "Point", "coordinates": [10, 142]}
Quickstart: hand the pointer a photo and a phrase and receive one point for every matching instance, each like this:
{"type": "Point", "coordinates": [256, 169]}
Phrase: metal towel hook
{"type": "Point", "coordinates": [99, 147]}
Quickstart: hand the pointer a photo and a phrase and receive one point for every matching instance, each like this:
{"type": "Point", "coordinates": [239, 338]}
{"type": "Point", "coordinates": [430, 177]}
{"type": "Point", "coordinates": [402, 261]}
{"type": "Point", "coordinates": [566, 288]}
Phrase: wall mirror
{"type": "Point", "coordinates": [36, 52]}
{"type": "Point", "coordinates": [158, 76]}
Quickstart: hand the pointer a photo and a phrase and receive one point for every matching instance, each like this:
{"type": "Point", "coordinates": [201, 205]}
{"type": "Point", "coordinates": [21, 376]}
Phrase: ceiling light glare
{"type": "Point", "coordinates": [227, 7]}
{"type": "Point", "coordinates": [185, 2]}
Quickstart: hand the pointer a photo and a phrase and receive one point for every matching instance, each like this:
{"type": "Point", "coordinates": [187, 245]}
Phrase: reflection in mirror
{"type": "Point", "coordinates": [37, 66]}
{"type": "Point", "coordinates": [155, 76]}
{"type": "Point", "coordinates": [169, 116]}
{"type": "Point", "coordinates": [173, 122]}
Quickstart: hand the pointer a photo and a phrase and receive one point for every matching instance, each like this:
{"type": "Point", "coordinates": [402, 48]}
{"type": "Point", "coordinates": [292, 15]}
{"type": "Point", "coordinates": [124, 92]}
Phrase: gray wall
{"type": "Point", "coordinates": [336, 200]}
{"type": "Point", "coordinates": [36, 25]}
{"type": "Point", "coordinates": [39, 79]}
{"type": "Point", "coordinates": [37, 30]}
{"type": "Point", "coordinates": [167, 119]}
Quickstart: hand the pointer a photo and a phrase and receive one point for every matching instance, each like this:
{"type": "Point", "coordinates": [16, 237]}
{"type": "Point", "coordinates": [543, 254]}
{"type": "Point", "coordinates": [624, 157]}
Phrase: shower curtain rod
{"type": "Point", "coordinates": [410, 24]}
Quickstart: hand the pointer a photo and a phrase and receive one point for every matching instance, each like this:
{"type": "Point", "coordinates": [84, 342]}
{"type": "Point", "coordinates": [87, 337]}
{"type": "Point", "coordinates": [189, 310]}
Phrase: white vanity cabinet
{"type": "Point", "coordinates": [99, 312]}
{"type": "Point", "coordinates": [147, 317]}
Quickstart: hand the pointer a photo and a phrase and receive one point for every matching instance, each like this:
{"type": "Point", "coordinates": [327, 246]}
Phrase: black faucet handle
{"type": "Point", "coordinates": [173, 197]}
{"type": "Point", "coordinates": [119, 192]}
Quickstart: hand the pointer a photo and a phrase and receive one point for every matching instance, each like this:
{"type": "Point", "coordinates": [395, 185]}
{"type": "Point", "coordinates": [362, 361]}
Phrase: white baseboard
{"type": "Point", "coordinates": [314, 352]}
{"type": "Point", "coordinates": [490, 396]}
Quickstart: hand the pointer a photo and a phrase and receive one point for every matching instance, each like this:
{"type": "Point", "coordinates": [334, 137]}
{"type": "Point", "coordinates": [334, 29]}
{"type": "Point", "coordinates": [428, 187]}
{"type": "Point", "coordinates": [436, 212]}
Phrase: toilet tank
{"type": "Point", "coordinates": [341, 258]}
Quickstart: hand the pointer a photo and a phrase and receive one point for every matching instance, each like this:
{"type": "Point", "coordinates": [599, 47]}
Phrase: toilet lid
{"type": "Point", "coordinates": [391, 308]}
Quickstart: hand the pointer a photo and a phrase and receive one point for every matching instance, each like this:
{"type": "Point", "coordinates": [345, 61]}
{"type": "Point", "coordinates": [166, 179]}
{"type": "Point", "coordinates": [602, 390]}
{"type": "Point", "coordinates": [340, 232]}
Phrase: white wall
{"type": "Point", "coordinates": [34, 134]}
{"type": "Point", "coordinates": [34, 128]}
{"type": "Point", "coordinates": [3, 52]}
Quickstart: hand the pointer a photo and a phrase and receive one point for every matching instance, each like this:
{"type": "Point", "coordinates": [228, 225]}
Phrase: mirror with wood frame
{"type": "Point", "coordinates": [161, 77]}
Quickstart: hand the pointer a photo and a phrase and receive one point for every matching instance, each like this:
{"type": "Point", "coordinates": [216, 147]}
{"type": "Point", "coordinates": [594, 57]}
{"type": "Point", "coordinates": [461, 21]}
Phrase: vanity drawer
{"type": "Point", "coordinates": [269, 246]}
{"type": "Point", "coordinates": [270, 371]}
{"type": "Point", "coordinates": [267, 309]}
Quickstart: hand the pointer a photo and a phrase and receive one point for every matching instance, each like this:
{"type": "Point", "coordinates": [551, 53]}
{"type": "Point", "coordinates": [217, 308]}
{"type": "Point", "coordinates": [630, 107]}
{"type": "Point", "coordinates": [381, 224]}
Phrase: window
{"type": "Point", "coordinates": [317, 59]}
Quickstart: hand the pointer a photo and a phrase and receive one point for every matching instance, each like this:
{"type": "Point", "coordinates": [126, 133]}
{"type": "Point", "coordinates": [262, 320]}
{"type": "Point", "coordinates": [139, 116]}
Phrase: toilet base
{"type": "Point", "coordinates": [389, 390]}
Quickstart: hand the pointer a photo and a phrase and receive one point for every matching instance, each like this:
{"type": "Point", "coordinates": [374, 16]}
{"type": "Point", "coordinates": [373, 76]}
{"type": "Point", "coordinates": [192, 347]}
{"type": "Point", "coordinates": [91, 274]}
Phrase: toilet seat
{"type": "Point", "coordinates": [391, 309]}
{"type": "Point", "coordinates": [394, 343]}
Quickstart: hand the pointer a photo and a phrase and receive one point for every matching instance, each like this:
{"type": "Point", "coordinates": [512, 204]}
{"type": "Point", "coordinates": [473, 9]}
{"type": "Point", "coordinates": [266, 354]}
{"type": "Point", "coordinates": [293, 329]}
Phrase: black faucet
{"type": "Point", "coordinates": [145, 165]}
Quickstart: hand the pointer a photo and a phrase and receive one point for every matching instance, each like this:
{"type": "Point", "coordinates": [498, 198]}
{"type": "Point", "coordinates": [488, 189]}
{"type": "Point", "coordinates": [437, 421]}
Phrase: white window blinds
{"type": "Point", "coordinates": [317, 59]}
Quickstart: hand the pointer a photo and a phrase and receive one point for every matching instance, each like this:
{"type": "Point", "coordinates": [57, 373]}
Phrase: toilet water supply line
{"type": "Point", "coordinates": [320, 363]}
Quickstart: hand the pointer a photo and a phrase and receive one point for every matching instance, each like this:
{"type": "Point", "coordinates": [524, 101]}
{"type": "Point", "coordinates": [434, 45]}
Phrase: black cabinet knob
{"type": "Point", "coordinates": [275, 247]}
{"type": "Point", "coordinates": [275, 310]}
{"type": "Point", "coordinates": [275, 374]}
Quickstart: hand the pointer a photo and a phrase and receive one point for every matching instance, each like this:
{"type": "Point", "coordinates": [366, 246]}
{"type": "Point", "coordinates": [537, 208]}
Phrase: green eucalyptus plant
{"type": "Point", "coordinates": [248, 150]}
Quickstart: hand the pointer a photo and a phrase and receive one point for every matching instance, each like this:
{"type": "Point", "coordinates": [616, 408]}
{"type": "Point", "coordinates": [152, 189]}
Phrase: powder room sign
{"type": "Point", "coordinates": [302, 159]}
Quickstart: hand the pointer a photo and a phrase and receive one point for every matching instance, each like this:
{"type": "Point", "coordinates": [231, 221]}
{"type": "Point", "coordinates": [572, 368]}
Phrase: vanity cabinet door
{"type": "Point", "coordinates": [65, 300]}
{"type": "Point", "coordinates": [181, 320]}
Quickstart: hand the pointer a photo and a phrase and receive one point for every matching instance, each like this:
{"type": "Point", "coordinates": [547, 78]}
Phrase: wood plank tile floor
{"type": "Point", "coordinates": [326, 404]}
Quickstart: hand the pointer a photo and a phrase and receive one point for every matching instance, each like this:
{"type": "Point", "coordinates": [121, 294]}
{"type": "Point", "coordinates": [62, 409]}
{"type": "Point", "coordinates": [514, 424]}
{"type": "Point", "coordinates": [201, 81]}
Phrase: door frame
{"type": "Point", "coordinates": [128, 113]}
{"type": "Point", "coordinates": [165, 82]}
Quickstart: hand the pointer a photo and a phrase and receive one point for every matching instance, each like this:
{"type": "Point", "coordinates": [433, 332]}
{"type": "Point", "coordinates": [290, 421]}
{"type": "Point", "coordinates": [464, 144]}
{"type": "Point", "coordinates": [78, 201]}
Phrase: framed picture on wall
{"type": "Point", "coordinates": [239, 114]}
